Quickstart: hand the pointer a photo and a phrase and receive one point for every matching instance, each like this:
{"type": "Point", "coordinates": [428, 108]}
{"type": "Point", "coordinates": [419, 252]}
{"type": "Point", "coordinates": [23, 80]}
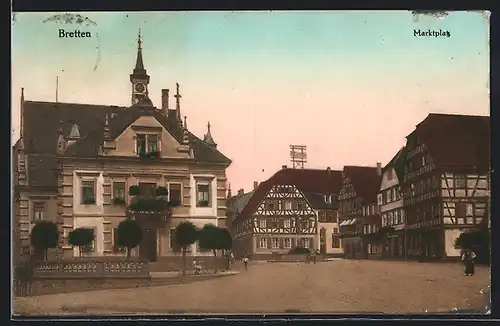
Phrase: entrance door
{"type": "Point", "coordinates": [147, 249]}
{"type": "Point", "coordinates": [322, 241]}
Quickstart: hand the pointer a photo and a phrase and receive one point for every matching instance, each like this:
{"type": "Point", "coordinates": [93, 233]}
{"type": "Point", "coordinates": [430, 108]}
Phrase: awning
{"type": "Point", "coordinates": [343, 223]}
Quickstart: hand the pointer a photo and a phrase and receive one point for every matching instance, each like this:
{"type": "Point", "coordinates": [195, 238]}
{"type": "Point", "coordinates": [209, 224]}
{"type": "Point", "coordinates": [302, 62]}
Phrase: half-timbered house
{"type": "Point", "coordinates": [282, 213]}
{"type": "Point", "coordinates": [390, 202]}
{"type": "Point", "coordinates": [358, 210]}
{"type": "Point", "coordinates": [75, 164]}
{"type": "Point", "coordinates": [446, 182]}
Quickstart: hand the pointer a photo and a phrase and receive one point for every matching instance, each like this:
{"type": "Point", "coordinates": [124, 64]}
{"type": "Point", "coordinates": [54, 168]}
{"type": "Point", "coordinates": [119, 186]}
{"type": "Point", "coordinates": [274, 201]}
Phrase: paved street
{"type": "Point", "coordinates": [341, 286]}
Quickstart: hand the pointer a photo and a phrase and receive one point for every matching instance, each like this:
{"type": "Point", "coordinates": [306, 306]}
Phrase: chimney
{"type": "Point", "coordinates": [241, 192]}
{"type": "Point", "coordinates": [284, 167]}
{"type": "Point", "coordinates": [255, 185]}
{"type": "Point", "coordinates": [328, 171]}
{"type": "Point", "coordinates": [164, 101]}
{"type": "Point", "coordinates": [379, 168]}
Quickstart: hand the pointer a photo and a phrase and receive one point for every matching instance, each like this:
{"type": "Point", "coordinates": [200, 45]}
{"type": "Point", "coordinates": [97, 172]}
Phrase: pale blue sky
{"type": "Point", "coordinates": [349, 85]}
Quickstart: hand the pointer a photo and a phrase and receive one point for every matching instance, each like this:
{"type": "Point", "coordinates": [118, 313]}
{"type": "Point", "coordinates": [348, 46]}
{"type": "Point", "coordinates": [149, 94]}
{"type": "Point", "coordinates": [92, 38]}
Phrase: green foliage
{"type": "Point", "coordinates": [226, 241]}
{"type": "Point", "coordinates": [149, 204]}
{"type": "Point", "coordinates": [44, 235]}
{"type": "Point", "coordinates": [209, 238]}
{"type": "Point", "coordinates": [118, 201]}
{"type": "Point", "coordinates": [203, 203]}
{"type": "Point", "coordinates": [185, 234]}
{"type": "Point", "coordinates": [81, 237]}
{"type": "Point", "coordinates": [129, 235]}
{"type": "Point", "coordinates": [88, 201]}
{"type": "Point", "coordinates": [299, 250]}
{"type": "Point", "coordinates": [134, 190]}
{"type": "Point", "coordinates": [477, 240]}
{"type": "Point", "coordinates": [161, 191]}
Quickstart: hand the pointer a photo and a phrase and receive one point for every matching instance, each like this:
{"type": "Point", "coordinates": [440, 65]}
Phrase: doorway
{"type": "Point", "coordinates": [147, 249]}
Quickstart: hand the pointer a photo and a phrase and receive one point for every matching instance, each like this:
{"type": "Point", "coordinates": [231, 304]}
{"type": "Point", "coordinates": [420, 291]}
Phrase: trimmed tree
{"type": "Point", "coordinates": [44, 235]}
{"type": "Point", "coordinates": [209, 239]}
{"type": "Point", "coordinates": [81, 238]}
{"type": "Point", "coordinates": [185, 234]}
{"type": "Point", "coordinates": [226, 244]}
{"type": "Point", "coordinates": [129, 235]}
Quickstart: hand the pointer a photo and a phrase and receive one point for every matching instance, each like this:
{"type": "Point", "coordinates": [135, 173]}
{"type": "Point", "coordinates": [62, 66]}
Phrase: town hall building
{"type": "Point", "coordinates": [76, 164]}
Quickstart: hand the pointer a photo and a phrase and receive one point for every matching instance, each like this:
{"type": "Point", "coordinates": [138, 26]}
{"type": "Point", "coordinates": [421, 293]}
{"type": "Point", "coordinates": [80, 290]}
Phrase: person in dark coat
{"type": "Point", "coordinates": [468, 258]}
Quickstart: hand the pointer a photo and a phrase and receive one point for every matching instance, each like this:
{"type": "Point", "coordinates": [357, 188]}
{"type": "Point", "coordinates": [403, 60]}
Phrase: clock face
{"type": "Point", "coordinates": [139, 87]}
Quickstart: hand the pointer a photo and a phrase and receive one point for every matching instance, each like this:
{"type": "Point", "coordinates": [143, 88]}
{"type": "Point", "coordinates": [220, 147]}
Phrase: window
{"type": "Point", "coordinates": [116, 247]}
{"type": "Point", "coordinates": [460, 209]}
{"type": "Point", "coordinates": [147, 189]}
{"type": "Point", "coordinates": [469, 209]}
{"type": "Point", "coordinates": [274, 222]}
{"type": "Point", "coordinates": [459, 181]}
{"type": "Point", "coordinates": [146, 143]}
{"type": "Point", "coordinates": [262, 223]}
{"type": "Point", "coordinates": [328, 199]}
{"type": "Point", "coordinates": [389, 174]}
{"type": "Point", "coordinates": [203, 195]}
{"type": "Point", "coordinates": [384, 219]}
{"type": "Point", "coordinates": [335, 240]}
{"type": "Point", "coordinates": [93, 245]}
{"type": "Point", "coordinates": [388, 196]}
{"type": "Point", "coordinates": [287, 223]}
{"type": "Point", "coordinates": [173, 245]}
{"type": "Point", "coordinates": [175, 192]}
{"type": "Point", "coordinates": [119, 192]}
{"type": "Point", "coordinates": [88, 192]}
{"type": "Point", "coordinates": [329, 216]}
{"type": "Point", "coordinates": [393, 194]}
{"type": "Point", "coordinates": [424, 161]}
{"type": "Point", "coordinates": [288, 204]}
{"type": "Point", "coordinates": [379, 199]}
{"type": "Point", "coordinates": [38, 212]}
{"type": "Point", "coordinates": [300, 205]}
{"type": "Point", "coordinates": [366, 229]}
{"type": "Point", "coordinates": [263, 243]}
{"type": "Point", "coordinates": [287, 242]}
{"type": "Point", "coordinates": [270, 205]}
{"type": "Point", "coordinates": [275, 242]}
{"type": "Point", "coordinates": [305, 242]}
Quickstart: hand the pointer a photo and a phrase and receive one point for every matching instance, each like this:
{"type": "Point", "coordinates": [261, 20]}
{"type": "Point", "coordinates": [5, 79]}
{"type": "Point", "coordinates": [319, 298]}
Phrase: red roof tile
{"type": "Point", "coordinates": [365, 180]}
{"type": "Point", "coordinates": [457, 141]}
{"type": "Point", "coordinates": [306, 180]}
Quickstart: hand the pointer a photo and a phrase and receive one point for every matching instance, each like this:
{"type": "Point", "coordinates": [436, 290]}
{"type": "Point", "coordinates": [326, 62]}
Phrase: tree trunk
{"type": "Point", "coordinates": [183, 260]}
{"type": "Point", "coordinates": [215, 261]}
{"type": "Point", "coordinates": [129, 252]}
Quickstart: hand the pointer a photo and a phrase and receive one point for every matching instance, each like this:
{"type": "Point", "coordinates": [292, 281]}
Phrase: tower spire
{"type": "Point", "coordinates": [139, 64]}
{"type": "Point", "coordinates": [178, 102]}
{"type": "Point", "coordinates": [208, 139]}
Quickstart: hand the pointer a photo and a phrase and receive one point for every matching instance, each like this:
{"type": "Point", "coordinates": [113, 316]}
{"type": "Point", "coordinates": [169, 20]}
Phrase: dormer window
{"type": "Point", "coordinates": [146, 143]}
{"type": "Point", "coordinates": [75, 132]}
{"type": "Point", "coordinates": [328, 199]}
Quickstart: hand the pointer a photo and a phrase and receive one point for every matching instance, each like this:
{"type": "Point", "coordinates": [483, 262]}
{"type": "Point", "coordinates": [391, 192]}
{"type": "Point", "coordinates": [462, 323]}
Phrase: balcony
{"type": "Point", "coordinates": [152, 210]}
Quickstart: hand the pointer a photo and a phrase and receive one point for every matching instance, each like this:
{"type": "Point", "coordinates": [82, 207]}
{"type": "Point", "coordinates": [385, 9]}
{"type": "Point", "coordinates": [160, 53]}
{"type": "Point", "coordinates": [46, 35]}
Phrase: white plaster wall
{"type": "Point", "coordinates": [449, 242]}
{"type": "Point", "coordinates": [91, 222]}
{"type": "Point", "coordinates": [98, 207]}
{"type": "Point", "coordinates": [328, 237]}
{"type": "Point", "coordinates": [203, 211]}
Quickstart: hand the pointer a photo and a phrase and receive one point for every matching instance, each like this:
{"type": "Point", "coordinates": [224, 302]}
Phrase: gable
{"type": "Point", "coordinates": [284, 200]}
{"type": "Point", "coordinates": [389, 179]}
{"type": "Point", "coordinates": [346, 189]}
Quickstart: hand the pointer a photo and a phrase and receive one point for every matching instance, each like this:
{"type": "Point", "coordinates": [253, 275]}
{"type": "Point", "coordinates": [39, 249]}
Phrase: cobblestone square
{"type": "Point", "coordinates": [341, 286]}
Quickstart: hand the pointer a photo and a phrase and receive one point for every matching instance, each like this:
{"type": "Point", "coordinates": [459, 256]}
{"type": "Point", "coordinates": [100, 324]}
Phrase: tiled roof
{"type": "Point", "coordinates": [365, 180]}
{"type": "Point", "coordinates": [42, 120]}
{"type": "Point", "coordinates": [456, 141]}
{"type": "Point", "coordinates": [306, 180]}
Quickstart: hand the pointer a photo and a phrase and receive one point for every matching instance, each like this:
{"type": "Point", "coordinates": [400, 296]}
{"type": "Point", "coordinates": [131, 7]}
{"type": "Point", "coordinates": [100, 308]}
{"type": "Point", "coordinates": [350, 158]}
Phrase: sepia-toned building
{"type": "Point", "coordinates": [75, 164]}
{"type": "Point", "coordinates": [446, 182]}
{"type": "Point", "coordinates": [283, 211]}
{"type": "Point", "coordinates": [358, 210]}
{"type": "Point", "coordinates": [390, 202]}
{"type": "Point", "coordinates": [235, 205]}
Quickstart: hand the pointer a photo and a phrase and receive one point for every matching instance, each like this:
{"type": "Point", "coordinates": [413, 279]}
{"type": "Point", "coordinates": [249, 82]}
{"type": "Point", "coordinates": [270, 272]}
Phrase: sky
{"type": "Point", "coordinates": [348, 85]}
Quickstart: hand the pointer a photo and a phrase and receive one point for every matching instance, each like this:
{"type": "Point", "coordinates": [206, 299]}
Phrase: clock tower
{"type": "Point", "coordinates": [139, 78]}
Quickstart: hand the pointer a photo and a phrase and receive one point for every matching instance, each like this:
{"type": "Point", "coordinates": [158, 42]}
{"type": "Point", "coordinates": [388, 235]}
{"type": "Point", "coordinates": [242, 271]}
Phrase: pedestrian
{"type": "Point", "coordinates": [245, 262]}
{"type": "Point", "coordinates": [469, 260]}
{"type": "Point", "coordinates": [232, 257]}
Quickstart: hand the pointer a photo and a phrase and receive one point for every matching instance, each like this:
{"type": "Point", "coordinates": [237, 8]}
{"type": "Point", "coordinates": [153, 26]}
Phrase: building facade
{"type": "Point", "coordinates": [390, 202]}
{"type": "Point", "coordinates": [77, 163]}
{"type": "Point", "coordinates": [358, 210]}
{"type": "Point", "coordinates": [446, 184]}
{"type": "Point", "coordinates": [282, 213]}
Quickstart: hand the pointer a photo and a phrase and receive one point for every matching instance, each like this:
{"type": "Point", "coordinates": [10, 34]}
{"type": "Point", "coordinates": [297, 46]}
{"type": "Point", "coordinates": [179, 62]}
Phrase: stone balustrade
{"type": "Point", "coordinates": [92, 268]}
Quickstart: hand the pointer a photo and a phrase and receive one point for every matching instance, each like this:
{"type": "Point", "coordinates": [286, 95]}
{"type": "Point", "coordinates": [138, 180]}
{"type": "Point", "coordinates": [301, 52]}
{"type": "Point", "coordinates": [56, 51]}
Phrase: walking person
{"type": "Point", "coordinates": [245, 262]}
{"type": "Point", "coordinates": [469, 260]}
